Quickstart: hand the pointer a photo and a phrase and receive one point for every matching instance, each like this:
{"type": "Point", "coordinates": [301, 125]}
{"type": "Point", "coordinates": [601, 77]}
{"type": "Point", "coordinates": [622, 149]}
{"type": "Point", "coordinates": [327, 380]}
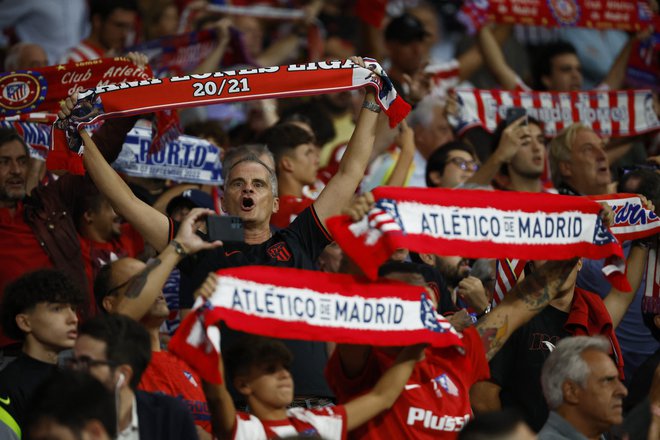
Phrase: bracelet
{"type": "Point", "coordinates": [485, 312]}
{"type": "Point", "coordinates": [179, 249]}
{"type": "Point", "coordinates": [371, 106]}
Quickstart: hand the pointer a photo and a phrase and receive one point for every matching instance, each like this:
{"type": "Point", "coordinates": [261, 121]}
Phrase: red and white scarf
{"type": "Point", "coordinates": [309, 305]}
{"type": "Point", "coordinates": [631, 221]}
{"type": "Point", "coordinates": [118, 100]}
{"type": "Point", "coordinates": [476, 224]}
{"type": "Point", "coordinates": [625, 15]}
{"type": "Point", "coordinates": [610, 113]}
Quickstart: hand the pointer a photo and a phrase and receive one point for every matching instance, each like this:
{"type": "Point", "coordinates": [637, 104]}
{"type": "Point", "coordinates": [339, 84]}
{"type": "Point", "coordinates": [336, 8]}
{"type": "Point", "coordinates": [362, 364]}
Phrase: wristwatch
{"type": "Point", "coordinates": [178, 248]}
{"type": "Point", "coordinates": [371, 106]}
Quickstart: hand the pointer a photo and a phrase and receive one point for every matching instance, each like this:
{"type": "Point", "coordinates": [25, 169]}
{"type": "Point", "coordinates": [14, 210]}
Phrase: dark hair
{"type": "Point", "coordinates": [497, 137]}
{"type": "Point", "coordinates": [72, 398]}
{"type": "Point", "coordinates": [32, 288]}
{"type": "Point", "coordinates": [127, 342]}
{"type": "Point", "coordinates": [438, 158]}
{"type": "Point", "coordinates": [497, 425]}
{"type": "Point", "coordinates": [90, 202]}
{"type": "Point", "coordinates": [104, 8]}
{"type": "Point", "coordinates": [102, 285]}
{"type": "Point", "coordinates": [282, 138]}
{"type": "Point", "coordinates": [251, 351]}
{"type": "Point", "coordinates": [316, 116]}
{"type": "Point", "coordinates": [542, 65]}
{"type": "Point", "coordinates": [8, 134]}
{"type": "Point", "coordinates": [204, 129]}
{"type": "Point", "coordinates": [642, 181]}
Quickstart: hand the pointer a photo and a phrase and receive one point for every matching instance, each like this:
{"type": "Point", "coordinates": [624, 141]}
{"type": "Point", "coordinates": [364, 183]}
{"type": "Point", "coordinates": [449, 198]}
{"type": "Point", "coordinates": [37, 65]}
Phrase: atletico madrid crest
{"type": "Point", "coordinates": [566, 12]}
{"type": "Point", "coordinates": [21, 92]}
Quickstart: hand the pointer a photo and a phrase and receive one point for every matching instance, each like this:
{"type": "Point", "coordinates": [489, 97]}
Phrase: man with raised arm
{"type": "Point", "coordinates": [250, 193]}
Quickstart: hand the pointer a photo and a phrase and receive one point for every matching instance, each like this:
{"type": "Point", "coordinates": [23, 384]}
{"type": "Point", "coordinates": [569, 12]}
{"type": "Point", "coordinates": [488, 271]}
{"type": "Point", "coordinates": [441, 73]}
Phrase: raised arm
{"type": "Point", "coordinates": [494, 58]}
{"type": "Point", "coordinates": [406, 141]}
{"type": "Point", "coordinates": [340, 189]}
{"type": "Point", "coordinates": [523, 302]}
{"type": "Point", "coordinates": [616, 301]}
{"type": "Point", "coordinates": [513, 137]}
{"type": "Point", "coordinates": [617, 74]}
{"type": "Point", "coordinates": [383, 395]}
{"type": "Point", "coordinates": [143, 290]}
{"type": "Point", "coordinates": [153, 225]}
{"type": "Point", "coordinates": [221, 404]}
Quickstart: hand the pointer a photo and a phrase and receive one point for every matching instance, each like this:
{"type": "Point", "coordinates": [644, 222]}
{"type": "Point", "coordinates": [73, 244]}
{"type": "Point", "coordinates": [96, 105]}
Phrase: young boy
{"type": "Point", "coordinates": [38, 308]}
{"type": "Point", "coordinates": [259, 370]}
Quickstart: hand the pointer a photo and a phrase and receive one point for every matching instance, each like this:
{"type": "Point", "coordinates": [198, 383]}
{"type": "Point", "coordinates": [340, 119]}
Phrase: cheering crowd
{"type": "Point", "coordinates": [115, 325]}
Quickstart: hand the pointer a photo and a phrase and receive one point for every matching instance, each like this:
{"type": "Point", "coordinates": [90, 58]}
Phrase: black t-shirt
{"type": "Point", "coordinates": [517, 366]}
{"type": "Point", "coordinates": [18, 380]}
{"type": "Point", "coordinates": [299, 246]}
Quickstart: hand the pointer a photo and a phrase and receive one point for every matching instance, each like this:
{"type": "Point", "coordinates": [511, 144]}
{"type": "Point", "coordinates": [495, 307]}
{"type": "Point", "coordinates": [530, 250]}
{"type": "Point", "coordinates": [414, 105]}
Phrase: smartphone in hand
{"type": "Point", "coordinates": [513, 114]}
{"type": "Point", "coordinates": [226, 228]}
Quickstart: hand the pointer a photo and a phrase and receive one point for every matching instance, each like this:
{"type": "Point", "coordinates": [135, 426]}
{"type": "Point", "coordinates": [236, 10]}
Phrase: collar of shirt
{"type": "Point", "coordinates": [132, 431]}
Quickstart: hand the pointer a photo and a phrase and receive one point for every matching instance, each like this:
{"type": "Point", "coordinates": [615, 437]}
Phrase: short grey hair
{"type": "Point", "coordinates": [422, 115]}
{"type": "Point", "coordinates": [566, 363]}
{"type": "Point", "coordinates": [560, 149]}
{"type": "Point", "coordinates": [250, 153]}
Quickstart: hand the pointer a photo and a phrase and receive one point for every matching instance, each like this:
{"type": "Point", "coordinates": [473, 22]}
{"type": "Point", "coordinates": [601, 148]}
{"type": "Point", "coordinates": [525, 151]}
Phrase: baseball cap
{"type": "Point", "coordinates": [191, 198]}
{"type": "Point", "coordinates": [405, 28]}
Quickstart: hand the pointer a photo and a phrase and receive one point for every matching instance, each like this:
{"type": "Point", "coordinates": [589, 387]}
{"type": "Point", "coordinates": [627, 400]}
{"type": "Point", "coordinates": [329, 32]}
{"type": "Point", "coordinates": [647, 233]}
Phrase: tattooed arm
{"type": "Point", "coordinates": [524, 301]}
{"type": "Point", "coordinates": [144, 288]}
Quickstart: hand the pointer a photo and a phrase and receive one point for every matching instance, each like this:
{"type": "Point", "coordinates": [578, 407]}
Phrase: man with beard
{"type": "Point", "coordinates": [467, 291]}
{"type": "Point", "coordinates": [38, 229]}
{"type": "Point", "coordinates": [133, 288]}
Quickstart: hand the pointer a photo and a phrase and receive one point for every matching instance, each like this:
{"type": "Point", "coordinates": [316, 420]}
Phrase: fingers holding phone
{"type": "Point", "coordinates": [187, 234]}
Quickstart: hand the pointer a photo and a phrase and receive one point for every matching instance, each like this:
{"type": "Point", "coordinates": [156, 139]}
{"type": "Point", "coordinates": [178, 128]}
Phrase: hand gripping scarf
{"type": "Point", "coordinates": [476, 224]}
{"type": "Point", "coordinates": [610, 113]}
{"type": "Point", "coordinates": [309, 305]}
{"type": "Point", "coordinates": [137, 97]}
{"type": "Point", "coordinates": [631, 221]}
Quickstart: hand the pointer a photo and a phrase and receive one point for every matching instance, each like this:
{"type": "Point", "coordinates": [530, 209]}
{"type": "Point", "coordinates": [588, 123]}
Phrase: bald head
{"type": "Point", "coordinates": [24, 56]}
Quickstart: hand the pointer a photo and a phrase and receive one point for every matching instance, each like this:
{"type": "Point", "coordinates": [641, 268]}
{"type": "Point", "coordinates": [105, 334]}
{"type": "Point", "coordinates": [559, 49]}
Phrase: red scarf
{"type": "Point", "coordinates": [309, 305]}
{"type": "Point", "coordinates": [118, 100]}
{"type": "Point", "coordinates": [625, 15]}
{"type": "Point", "coordinates": [476, 224]}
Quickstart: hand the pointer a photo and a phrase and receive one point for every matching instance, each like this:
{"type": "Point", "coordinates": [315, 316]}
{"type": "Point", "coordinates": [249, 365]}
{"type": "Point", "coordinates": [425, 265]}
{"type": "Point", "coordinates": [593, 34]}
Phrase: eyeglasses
{"type": "Point", "coordinates": [84, 363]}
{"type": "Point", "coordinates": [465, 165]}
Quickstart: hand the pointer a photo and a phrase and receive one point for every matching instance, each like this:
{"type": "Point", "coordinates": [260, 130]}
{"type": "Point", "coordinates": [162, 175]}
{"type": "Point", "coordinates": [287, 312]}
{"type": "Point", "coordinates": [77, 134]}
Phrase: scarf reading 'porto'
{"type": "Point", "coordinates": [615, 113]}
{"type": "Point", "coordinates": [624, 14]}
{"type": "Point", "coordinates": [119, 100]}
{"type": "Point", "coordinates": [309, 305]}
{"type": "Point", "coordinates": [476, 224]}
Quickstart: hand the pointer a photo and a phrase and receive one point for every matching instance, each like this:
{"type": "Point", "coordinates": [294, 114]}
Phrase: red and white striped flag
{"type": "Point", "coordinates": [610, 113]}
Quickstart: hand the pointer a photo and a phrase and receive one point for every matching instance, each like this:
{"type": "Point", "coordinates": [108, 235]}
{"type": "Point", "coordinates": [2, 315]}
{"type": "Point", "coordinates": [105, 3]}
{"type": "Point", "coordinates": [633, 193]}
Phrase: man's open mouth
{"type": "Point", "coordinates": [247, 203]}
